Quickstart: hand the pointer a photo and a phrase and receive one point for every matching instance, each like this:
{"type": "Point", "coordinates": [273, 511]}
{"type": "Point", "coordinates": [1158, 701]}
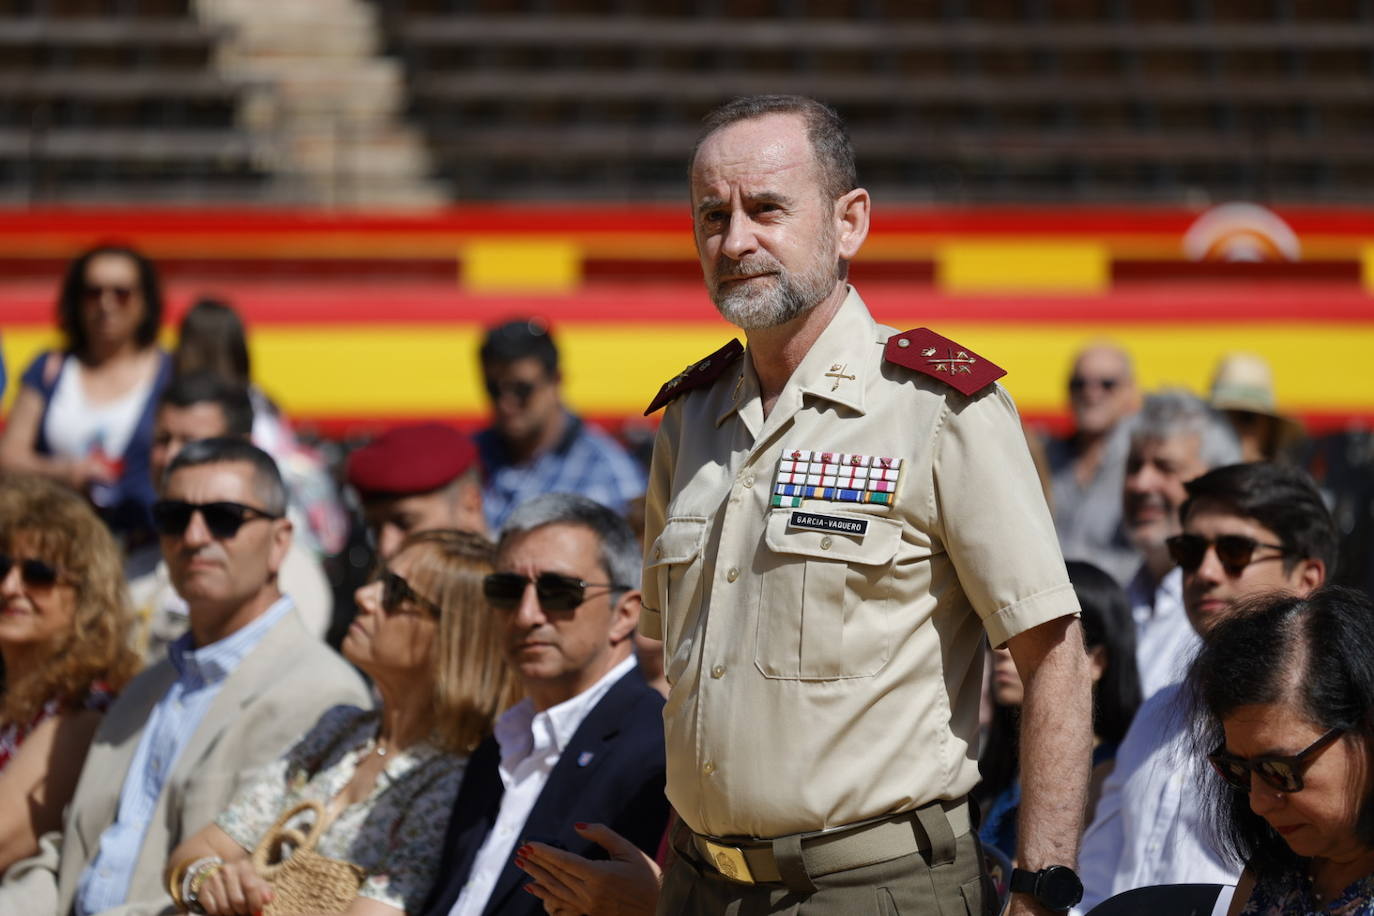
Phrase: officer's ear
{"type": "Point", "coordinates": [851, 222]}
{"type": "Point", "coordinates": [625, 615]}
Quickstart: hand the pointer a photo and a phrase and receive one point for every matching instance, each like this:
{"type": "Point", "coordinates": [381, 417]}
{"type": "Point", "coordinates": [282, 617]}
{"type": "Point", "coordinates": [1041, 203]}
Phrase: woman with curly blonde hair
{"type": "Point", "coordinates": [64, 627]}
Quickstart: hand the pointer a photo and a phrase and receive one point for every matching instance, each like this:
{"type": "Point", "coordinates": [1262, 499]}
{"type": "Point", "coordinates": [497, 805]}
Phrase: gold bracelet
{"type": "Point", "coordinates": [194, 876]}
{"type": "Point", "coordinates": [174, 884]}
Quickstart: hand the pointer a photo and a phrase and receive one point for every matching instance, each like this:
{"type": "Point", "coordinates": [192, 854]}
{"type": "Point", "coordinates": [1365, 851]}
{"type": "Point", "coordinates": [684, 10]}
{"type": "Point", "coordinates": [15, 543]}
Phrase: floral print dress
{"type": "Point", "coordinates": [395, 834]}
{"type": "Point", "coordinates": [1290, 894]}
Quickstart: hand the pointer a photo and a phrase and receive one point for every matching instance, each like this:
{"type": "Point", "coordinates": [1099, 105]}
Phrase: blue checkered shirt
{"type": "Point", "coordinates": [585, 461]}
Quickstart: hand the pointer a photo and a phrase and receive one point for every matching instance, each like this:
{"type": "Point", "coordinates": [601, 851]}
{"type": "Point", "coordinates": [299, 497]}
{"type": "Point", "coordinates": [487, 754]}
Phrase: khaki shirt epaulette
{"type": "Point", "coordinates": [700, 373]}
{"type": "Point", "coordinates": [939, 357]}
{"type": "Point", "coordinates": [825, 576]}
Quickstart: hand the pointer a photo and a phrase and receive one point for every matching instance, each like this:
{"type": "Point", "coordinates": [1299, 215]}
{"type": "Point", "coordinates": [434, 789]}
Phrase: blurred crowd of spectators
{"type": "Point", "coordinates": [158, 512]}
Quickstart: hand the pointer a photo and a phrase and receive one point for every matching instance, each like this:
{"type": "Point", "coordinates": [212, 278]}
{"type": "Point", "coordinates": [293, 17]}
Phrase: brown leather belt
{"type": "Point", "coordinates": [824, 852]}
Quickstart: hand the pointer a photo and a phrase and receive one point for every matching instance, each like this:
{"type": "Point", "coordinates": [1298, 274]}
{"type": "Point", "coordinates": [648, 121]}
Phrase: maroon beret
{"type": "Point", "coordinates": [411, 459]}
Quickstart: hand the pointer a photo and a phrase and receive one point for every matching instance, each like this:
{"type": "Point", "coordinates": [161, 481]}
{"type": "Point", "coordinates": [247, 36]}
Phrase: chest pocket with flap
{"type": "Point", "coordinates": [824, 605]}
{"type": "Point", "coordinates": [672, 574]}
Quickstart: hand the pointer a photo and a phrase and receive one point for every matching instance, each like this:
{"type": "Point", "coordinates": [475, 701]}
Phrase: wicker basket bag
{"type": "Point", "coordinates": [303, 881]}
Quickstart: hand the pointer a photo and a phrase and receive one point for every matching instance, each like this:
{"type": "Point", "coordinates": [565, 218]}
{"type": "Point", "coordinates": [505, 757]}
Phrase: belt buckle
{"type": "Point", "coordinates": [730, 862]}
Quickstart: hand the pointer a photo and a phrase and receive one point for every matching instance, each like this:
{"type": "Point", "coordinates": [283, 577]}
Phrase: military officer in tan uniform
{"type": "Point", "coordinates": [837, 516]}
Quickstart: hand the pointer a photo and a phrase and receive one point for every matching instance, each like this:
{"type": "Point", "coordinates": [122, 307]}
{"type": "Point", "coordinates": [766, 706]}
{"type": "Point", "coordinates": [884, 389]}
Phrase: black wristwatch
{"type": "Point", "coordinates": [1055, 888]}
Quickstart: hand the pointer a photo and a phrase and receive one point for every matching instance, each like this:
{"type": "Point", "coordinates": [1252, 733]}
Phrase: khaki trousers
{"type": "Point", "coordinates": [911, 885]}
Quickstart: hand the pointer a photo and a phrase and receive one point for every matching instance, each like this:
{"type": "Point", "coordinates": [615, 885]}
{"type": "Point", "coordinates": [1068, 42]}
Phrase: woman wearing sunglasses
{"type": "Point", "coordinates": [1284, 689]}
{"type": "Point", "coordinates": [385, 778]}
{"type": "Point", "coordinates": [64, 626]}
{"type": "Point", "coordinates": [84, 415]}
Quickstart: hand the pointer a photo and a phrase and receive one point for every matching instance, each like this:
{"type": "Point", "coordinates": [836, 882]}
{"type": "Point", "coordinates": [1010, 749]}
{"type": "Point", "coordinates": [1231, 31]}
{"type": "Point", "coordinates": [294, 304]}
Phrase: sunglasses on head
{"type": "Point", "coordinates": [1080, 382]}
{"type": "Point", "coordinates": [1234, 551]}
{"type": "Point", "coordinates": [33, 573]}
{"type": "Point", "coordinates": [1284, 774]}
{"type": "Point", "coordinates": [397, 592]}
{"type": "Point", "coordinates": [520, 391]}
{"type": "Point", "coordinates": [224, 519]}
{"type": "Point", "coordinates": [555, 591]}
{"type": "Point", "coordinates": [121, 294]}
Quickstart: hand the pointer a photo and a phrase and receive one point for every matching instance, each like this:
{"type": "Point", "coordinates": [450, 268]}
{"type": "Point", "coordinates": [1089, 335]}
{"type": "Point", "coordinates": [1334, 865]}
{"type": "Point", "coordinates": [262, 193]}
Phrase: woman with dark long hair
{"type": "Point", "coordinates": [1283, 701]}
{"type": "Point", "coordinates": [84, 414]}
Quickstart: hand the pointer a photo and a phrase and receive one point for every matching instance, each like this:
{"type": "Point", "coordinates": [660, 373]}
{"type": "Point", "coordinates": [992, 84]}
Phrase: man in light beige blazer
{"type": "Point", "coordinates": [235, 692]}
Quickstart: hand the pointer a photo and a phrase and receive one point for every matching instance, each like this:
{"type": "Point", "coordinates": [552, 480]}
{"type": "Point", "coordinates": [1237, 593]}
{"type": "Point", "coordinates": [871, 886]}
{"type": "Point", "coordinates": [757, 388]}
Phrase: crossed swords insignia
{"type": "Point", "coordinates": [954, 362]}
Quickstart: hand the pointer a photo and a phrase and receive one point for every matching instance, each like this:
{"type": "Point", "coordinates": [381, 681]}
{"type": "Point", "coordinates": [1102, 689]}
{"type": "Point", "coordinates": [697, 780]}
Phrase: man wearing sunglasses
{"type": "Point", "coordinates": [1247, 530]}
{"type": "Point", "coordinates": [417, 478]}
{"type": "Point", "coordinates": [244, 683]}
{"type": "Point", "coordinates": [1086, 468]}
{"type": "Point", "coordinates": [535, 444]}
{"type": "Point", "coordinates": [195, 406]}
{"type": "Point", "coordinates": [586, 743]}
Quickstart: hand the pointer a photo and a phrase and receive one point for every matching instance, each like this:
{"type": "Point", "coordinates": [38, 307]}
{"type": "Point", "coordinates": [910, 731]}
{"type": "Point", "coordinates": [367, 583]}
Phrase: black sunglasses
{"type": "Point", "coordinates": [34, 573]}
{"type": "Point", "coordinates": [396, 592]}
{"type": "Point", "coordinates": [1079, 382]}
{"type": "Point", "coordinates": [521, 391]}
{"type": "Point", "coordinates": [122, 294]}
{"type": "Point", "coordinates": [224, 519]}
{"type": "Point", "coordinates": [556, 592]}
{"type": "Point", "coordinates": [1234, 551]}
{"type": "Point", "coordinates": [1282, 773]}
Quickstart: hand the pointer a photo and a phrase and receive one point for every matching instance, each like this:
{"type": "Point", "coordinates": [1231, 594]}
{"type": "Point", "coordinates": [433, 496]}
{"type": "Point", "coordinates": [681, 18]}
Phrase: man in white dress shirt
{"type": "Point", "coordinates": [586, 743]}
{"type": "Point", "coordinates": [1175, 437]}
{"type": "Point", "coordinates": [1247, 529]}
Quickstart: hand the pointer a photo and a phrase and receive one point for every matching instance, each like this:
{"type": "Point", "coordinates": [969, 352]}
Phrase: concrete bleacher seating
{"type": "Point", "coordinates": [106, 100]}
{"type": "Point", "coordinates": [948, 99]}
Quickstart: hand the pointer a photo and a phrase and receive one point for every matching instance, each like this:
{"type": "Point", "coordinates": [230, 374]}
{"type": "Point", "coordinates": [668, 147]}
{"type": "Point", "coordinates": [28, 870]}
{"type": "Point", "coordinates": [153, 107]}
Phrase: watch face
{"type": "Point", "coordinates": [1059, 888]}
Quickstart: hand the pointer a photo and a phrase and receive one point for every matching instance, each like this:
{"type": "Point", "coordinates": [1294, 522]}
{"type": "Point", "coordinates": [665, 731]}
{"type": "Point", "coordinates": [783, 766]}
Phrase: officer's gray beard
{"type": "Point", "coordinates": [764, 304]}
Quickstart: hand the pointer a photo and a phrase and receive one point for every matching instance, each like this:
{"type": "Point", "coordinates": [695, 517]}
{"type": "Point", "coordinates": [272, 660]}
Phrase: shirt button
{"type": "Point", "coordinates": [732, 575]}
{"type": "Point", "coordinates": [826, 542]}
{"type": "Point", "coordinates": [718, 672]}
{"type": "Point", "coordinates": [749, 481]}
{"type": "Point", "coordinates": [709, 768]}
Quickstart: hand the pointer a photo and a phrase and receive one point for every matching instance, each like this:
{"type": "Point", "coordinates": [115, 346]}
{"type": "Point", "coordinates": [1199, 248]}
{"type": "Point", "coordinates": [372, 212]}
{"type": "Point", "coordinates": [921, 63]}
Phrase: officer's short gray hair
{"type": "Point", "coordinates": [620, 554]}
{"type": "Point", "coordinates": [1174, 412]}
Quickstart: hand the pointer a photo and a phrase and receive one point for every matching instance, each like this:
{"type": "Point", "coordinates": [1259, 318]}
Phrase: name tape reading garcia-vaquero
{"type": "Point", "coordinates": [835, 523]}
{"type": "Point", "coordinates": [835, 477]}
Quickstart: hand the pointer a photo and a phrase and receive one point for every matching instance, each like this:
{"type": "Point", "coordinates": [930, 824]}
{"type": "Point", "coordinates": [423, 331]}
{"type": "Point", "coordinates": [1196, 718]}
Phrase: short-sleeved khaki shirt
{"type": "Point", "coordinates": [825, 672]}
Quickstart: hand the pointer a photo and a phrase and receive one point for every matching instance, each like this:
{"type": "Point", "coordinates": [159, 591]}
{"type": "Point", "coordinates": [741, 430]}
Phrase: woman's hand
{"type": "Point", "coordinates": [234, 889]}
{"type": "Point", "coordinates": [82, 473]}
{"type": "Point", "coordinates": [569, 885]}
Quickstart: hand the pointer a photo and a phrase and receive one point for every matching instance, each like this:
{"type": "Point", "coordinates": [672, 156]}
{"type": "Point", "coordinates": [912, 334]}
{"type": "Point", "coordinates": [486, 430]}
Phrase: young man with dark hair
{"type": "Point", "coordinates": [535, 444]}
{"type": "Point", "coordinates": [1247, 530]}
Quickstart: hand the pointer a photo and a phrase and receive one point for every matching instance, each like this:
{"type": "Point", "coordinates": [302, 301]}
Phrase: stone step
{"type": "Point", "coordinates": [325, 99]}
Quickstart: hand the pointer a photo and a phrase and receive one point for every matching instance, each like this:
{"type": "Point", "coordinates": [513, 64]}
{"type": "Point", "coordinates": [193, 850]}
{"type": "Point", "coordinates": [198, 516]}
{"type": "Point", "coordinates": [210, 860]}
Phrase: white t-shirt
{"type": "Point", "coordinates": [75, 427]}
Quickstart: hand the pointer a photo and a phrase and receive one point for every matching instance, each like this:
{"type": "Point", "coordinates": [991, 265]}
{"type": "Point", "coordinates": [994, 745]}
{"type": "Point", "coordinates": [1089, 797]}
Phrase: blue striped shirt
{"type": "Point", "coordinates": [585, 461]}
{"type": "Point", "coordinates": [200, 676]}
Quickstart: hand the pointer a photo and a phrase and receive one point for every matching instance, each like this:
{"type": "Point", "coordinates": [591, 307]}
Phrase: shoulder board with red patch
{"type": "Point", "coordinates": [696, 375]}
{"type": "Point", "coordinates": [939, 357]}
